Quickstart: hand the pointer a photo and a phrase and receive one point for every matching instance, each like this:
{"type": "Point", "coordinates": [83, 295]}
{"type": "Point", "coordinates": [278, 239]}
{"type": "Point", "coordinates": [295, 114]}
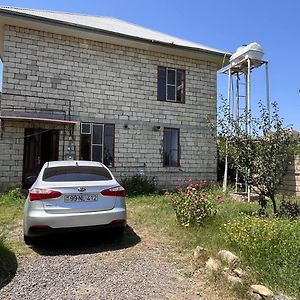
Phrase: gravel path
{"type": "Point", "coordinates": [131, 267]}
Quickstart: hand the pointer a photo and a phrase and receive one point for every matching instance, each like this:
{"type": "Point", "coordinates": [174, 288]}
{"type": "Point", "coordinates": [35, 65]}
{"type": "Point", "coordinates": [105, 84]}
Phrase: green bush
{"type": "Point", "coordinates": [289, 210]}
{"type": "Point", "coordinates": [195, 203]}
{"type": "Point", "coordinates": [139, 185]}
{"type": "Point", "coordinates": [271, 246]}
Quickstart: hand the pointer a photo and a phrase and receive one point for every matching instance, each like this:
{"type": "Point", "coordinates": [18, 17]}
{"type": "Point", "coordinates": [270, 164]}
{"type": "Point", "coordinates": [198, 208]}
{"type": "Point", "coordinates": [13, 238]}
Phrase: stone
{"type": "Point", "coordinates": [234, 279]}
{"type": "Point", "coordinates": [238, 272]}
{"type": "Point", "coordinates": [262, 291]}
{"type": "Point", "coordinates": [213, 264]}
{"type": "Point", "coordinates": [199, 258]}
{"type": "Point", "coordinates": [226, 271]}
{"type": "Point", "coordinates": [200, 253]}
{"type": "Point", "coordinates": [228, 257]}
{"type": "Point", "coordinates": [256, 296]}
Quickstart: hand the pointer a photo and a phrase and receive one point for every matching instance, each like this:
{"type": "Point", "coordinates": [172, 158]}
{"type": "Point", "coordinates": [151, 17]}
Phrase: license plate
{"type": "Point", "coordinates": [81, 198]}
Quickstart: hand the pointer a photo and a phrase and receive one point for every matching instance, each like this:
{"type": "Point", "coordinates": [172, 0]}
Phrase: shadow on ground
{"type": "Point", "coordinates": [86, 242]}
{"type": "Point", "coordinates": [8, 265]}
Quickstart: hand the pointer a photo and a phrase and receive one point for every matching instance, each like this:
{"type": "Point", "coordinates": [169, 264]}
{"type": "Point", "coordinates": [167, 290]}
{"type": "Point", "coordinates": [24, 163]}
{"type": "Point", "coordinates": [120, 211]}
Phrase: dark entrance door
{"type": "Point", "coordinates": [40, 146]}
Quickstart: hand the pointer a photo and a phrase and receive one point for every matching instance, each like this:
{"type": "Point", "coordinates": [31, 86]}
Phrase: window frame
{"type": "Point", "coordinates": [178, 147]}
{"type": "Point", "coordinates": [90, 133]}
{"type": "Point", "coordinates": [167, 84]}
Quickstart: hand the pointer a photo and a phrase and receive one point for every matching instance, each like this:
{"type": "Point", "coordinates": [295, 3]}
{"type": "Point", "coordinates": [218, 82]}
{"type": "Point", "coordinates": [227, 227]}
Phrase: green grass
{"type": "Point", "coordinates": [156, 213]}
{"type": "Point", "coordinates": [271, 247]}
{"type": "Point", "coordinates": [11, 204]}
{"type": "Point", "coordinates": [11, 207]}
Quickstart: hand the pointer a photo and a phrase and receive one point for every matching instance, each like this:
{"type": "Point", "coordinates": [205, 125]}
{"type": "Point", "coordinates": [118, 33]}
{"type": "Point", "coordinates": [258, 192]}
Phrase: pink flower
{"type": "Point", "coordinates": [190, 180]}
{"type": "Point", "coordinates": [167, 193]}
{"type": "Point", "coordinates": [220, 199]}
{"type": "Point", "coordinates": [200, 199]}
{"type": "Point", "coordinates": [202, 184]}
{"type": "Point", "coordinates": [187, 194]}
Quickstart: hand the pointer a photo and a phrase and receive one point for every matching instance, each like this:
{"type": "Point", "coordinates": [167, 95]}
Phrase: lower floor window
{"type": "Point", "coordinates": [171, 147]}
{"type": "Point", "coordinates": [97, 142]}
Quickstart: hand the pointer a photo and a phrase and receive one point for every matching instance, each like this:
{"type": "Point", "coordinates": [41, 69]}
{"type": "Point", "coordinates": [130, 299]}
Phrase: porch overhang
{"type": "Point", "coordinates": [16, 118]}
{"type": "Point", "coordinates": [34, 119]}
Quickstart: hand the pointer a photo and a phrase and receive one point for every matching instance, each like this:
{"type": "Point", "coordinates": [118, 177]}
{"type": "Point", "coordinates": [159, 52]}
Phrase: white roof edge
{"type": "Point", "coordinates": [111, 26]}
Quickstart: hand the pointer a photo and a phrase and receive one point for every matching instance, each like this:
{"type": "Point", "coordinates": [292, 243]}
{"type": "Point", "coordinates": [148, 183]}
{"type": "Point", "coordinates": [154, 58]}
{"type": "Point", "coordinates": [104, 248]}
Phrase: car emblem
{"type": "Point", "coordinates": [81, 189]}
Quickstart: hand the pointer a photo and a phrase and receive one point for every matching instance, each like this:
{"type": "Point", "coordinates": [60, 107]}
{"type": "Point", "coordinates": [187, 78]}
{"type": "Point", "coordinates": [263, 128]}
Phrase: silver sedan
{"type": "Point", "coordinates": [73, 195]}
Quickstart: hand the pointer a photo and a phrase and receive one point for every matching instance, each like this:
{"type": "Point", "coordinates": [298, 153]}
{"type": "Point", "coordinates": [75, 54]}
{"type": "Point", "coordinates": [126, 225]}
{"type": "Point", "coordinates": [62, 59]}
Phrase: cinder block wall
{"type": "Point", "coordinates": [12, 149]}
{"type": "Point", "coordinates": [111, 84]}
{"type": "Point", "coordinates": [291, 184]}
{"type": "Point", "coordinates": [11, 156]}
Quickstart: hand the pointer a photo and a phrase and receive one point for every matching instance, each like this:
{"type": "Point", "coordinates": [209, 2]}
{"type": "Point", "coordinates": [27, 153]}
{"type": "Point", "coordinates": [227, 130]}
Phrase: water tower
{"type": "Point", "coordinates": [241, 64]}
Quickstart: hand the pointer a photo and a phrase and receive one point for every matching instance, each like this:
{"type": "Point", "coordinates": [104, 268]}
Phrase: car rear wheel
{"type": "Point", "coordinates": [119, 231]}
{"type": "Point", "coordinates": [29, 240]}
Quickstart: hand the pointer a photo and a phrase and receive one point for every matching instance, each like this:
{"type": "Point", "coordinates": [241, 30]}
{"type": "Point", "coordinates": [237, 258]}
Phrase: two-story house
{"type": "Point", "coordinates": [98, 88]}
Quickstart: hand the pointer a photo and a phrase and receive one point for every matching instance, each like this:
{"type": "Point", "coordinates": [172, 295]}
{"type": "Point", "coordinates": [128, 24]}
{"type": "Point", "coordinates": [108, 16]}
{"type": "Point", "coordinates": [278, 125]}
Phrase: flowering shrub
{"type": "Point", "coordinates": [289, 210]}
{"type": "Point", "coordinates": [194, 203]}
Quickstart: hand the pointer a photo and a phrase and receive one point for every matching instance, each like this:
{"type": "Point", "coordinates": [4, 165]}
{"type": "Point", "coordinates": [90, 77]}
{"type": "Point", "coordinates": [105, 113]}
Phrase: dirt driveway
{"type": "Point", "coordinates": [95, 266]}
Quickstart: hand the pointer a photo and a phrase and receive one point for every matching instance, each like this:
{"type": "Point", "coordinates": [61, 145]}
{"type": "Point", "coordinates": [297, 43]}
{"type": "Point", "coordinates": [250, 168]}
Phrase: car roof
{"type": "Point", "coordinates": [65, 163]}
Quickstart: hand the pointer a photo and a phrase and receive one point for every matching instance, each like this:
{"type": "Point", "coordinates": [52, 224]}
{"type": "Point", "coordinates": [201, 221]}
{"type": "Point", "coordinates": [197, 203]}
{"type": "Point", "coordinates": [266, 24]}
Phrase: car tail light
{"type": "Point", "coordinates": [40, 194]}
{"type": "Point", "coordinates": [114, 191]}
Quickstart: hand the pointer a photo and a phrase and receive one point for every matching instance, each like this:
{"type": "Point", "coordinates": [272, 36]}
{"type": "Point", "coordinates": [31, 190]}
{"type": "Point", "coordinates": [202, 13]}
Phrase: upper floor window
{"type": "Point", "coordinates": [171, 84]}
{"type": "Point", "coordinates": [171, 147]}
{"type": "Point", "coordinates": [97, 142]}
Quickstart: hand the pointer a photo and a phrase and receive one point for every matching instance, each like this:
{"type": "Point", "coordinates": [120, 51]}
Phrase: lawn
{"type": "Point", "coordinates": [157, 213]}
{"type": "Point", "coordinates": [269, 248]}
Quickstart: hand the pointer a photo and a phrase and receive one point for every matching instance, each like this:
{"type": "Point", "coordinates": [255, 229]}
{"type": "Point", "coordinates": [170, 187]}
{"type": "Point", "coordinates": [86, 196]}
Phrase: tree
{"type": "Point", "coordinates": [262, 155]}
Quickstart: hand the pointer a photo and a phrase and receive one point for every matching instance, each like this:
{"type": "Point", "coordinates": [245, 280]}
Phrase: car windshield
{"type": "Point", "coordinates": [76, 173]}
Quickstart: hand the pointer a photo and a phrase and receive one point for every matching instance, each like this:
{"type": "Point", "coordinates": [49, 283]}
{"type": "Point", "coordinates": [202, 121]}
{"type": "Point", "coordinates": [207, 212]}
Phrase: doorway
{"type": "Point", "coordinates": [40, 146]}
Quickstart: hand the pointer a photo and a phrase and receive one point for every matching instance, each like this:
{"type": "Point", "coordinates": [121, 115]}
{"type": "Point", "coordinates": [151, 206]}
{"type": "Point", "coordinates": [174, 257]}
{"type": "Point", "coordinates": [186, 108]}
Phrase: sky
{"type": "Point", "coordinates": [220, 24]}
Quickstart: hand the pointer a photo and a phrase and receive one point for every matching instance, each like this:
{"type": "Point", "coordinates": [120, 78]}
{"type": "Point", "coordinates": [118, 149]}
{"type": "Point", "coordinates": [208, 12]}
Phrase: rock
{"type": "Point", "coordinates": [283, 297]}
{"type": "Point", "coordinates": [262, 291]}
{"type": "Point", "coordinates": [213, 264]}
{"type": "Point", "coordinates": [226, 271]}
{"type": "Point", "coordinates": [238, 272]}
{"type": "Point", "coordinates": [256, 296]}
{"type": "Point", "coordinates": [199, 258]}
{"type": "Point", "coordinates": [228, 257]}
{"type": "Point", "coordinates": [234, 279]}
{"type": "Point", "coordinates": [200, 253]}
